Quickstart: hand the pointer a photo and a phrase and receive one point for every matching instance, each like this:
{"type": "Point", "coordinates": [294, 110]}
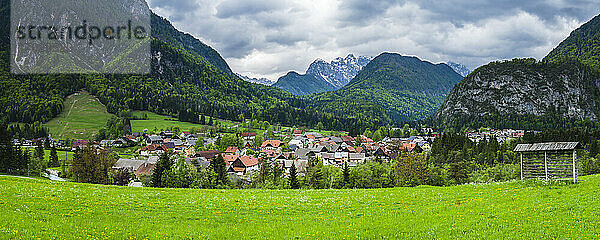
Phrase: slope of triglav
{"type": "Point", "coordinates": [323, 76]}
{"type": "Point", "coordinates": [459, 68]}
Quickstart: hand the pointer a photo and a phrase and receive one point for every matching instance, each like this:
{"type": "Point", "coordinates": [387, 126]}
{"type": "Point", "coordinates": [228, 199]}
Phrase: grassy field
{"type": "Point", "coordinates": [161, 122]}
{"type": "Point", "coordinates": [83, 115]}
{"type": "Point", "coordinates": [33, 208]}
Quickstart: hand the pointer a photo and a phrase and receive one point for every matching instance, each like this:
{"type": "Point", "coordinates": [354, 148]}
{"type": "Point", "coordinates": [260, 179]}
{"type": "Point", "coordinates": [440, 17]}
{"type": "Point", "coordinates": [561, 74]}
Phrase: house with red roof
{"type": "Point", "coordinates": [297, 133]}
{"type": "Point", "coordinates": [154, 149]}
{"type": "Point", "coordinates": [232, 151]}
{"type": "Point", "coordinates": [241, 165]}
{"type": "Point", "coordinates": [271, 144]}
{"type": "Point", "coordinates": [248, 135]}
{"type": "Point", "coordinates": [208, 155]}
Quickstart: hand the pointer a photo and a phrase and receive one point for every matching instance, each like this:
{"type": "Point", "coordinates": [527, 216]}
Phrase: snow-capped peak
{"type": "Point", "coordinates": [339, 71]}
{"type": "Point", "coordinates": [459, 68]}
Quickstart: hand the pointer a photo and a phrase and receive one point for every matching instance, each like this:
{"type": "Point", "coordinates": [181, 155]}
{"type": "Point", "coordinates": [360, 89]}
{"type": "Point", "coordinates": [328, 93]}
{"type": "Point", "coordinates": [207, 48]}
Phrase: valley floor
{"type": "Point", "coordinates": [36, 208]}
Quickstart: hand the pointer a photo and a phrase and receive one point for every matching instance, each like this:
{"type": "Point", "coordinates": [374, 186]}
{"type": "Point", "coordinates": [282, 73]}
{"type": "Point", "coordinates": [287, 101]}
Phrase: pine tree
{"type": "Point", "coordinates": [276, 173]}
{"type": "Point", "coordinates": [346, 173]}
{"type": "Point", "coordinates": [6, 149]}
{"type": "Point", "coordinates": [16, 162]}
{"type": "Point", "coordinates": [203, 120]}
{"type": "Point", "coordinates": [38, 163]}
{"type": "Point", "coordinates": [220, 169]}
{"type": "Point", "coordinates": [293, 177]}
{"type": "Point", "coordinates": [47, 142]}
{"type": "Point", "coordinates": [164, 164]}
{"type": "Point", "coordinates": [54, 158]}
{"type": "Point", "coordinates": [39, 151]}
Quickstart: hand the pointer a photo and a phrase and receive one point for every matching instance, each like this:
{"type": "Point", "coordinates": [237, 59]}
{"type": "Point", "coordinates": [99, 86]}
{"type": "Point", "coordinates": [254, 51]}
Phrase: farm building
{"type": "Point", "coordinates": [551, 160]}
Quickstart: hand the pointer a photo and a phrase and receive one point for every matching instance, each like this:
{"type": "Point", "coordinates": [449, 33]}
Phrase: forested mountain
{"type": "Point", "coordinates": [583, 44]}
{"type": "Point", "coordinates": [183, 82]}
{"type": "Point", "coordinates": [302, 84]}
{"type": "Point", "coordinates": [524, 93]}
{"type": "Point", "coordinates": [323, 76]}
{"type": "Point", "coordinates": [164, 30]}
{"type": "Point", "coordinates": [392, 88]}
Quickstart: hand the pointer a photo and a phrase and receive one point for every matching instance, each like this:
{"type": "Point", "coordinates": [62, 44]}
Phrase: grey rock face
{"type": "Point", "coordinates": [528, 90]}
{"type": "Point", "coordinates": [340, 71]}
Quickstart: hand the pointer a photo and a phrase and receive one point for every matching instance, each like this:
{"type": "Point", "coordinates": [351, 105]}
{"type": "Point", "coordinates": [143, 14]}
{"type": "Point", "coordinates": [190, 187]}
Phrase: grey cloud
{"type": "Point", "coordinates": [237, 8]}
{"type": "Point", "coordinates": [459, 12]}
{"type": "Point", "coordinates": [275, 36]}
{"type": "Point", "coordinates": [177, 5]}
{"type": "Point", "coordinates": [361, 12]}
{"type": "Point", "coordinates": [288, 38]}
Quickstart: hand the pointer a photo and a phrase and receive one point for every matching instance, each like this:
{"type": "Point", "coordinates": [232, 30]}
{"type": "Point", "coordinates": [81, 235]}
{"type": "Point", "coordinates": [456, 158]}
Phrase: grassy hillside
{"type": "Point", "coordinates": [82, 116]}
{"type": "Point", "coordinates": [514, 210]}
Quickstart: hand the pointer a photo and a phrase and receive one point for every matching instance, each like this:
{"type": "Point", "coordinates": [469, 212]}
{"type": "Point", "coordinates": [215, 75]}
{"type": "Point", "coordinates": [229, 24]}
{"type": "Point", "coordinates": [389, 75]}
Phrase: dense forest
{"type": "Point", "coordinates": [583, 45]}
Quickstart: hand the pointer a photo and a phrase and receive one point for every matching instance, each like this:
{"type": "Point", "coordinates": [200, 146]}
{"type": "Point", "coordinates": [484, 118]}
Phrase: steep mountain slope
{"type": "Point", "coordinates": [391, 87]}
{"type": "Point", "coordinates": [164, 30]}
{"type": "Point", "coordinates": [322, 76]}
{"type": "Point", "coordinates": [302, 84]}
{"type": "Point", "coordinates": [524, 93]}
{"type": "Point", "coordinates": [459, 68]}
{"type": "Point", "coordinates": [182, 82]}
{"type": "Point", "coordinates": [583, 44]}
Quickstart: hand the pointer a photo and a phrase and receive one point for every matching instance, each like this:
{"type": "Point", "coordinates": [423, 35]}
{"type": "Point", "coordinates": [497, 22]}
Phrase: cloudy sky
{"type": "Point", "coordinates": [268, 38]}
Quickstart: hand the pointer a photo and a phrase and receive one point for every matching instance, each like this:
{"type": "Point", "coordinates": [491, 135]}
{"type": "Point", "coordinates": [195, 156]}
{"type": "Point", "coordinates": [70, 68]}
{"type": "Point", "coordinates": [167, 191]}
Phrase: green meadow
{"type": "Point", "coordinates": [82, 116]}
{"type": "Point", "coordinates": [37, 208]}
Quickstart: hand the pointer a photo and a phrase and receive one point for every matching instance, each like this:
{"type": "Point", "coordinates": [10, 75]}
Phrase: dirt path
{"type": "Point", "coordinates": [17, 176]}
{"type": "Point", "coordinates": [68, 114]}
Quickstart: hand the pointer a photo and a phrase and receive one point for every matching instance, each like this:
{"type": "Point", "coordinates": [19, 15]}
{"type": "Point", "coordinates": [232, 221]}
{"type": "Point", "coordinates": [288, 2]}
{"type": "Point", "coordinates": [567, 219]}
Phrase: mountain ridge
{"type": "Point", "coordinates": [393, 87]}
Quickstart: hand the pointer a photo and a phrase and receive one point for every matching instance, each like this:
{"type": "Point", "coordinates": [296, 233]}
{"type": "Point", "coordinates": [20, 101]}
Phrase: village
{"type": "Point", "coordinates": [291, 147]}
